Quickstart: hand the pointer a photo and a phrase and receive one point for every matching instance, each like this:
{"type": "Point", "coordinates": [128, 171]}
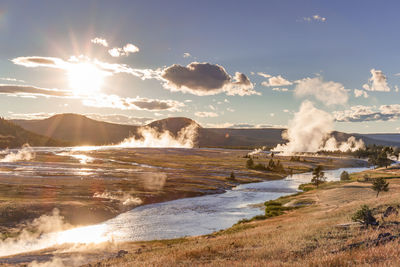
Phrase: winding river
{"type": "Point", "coordinates": [178, 218]}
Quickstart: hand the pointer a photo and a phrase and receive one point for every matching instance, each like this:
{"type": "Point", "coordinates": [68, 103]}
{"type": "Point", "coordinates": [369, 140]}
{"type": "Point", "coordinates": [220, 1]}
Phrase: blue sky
{"type": "Point", "coordinates": [342, 42]}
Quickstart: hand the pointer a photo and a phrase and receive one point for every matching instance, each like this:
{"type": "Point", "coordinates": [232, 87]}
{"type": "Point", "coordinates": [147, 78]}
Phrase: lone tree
{"type": "Point", "coordinates": [318, 176]}
{"type": "Point", "coordinates": [344, 176]}
{"type": "Point", "coordinates": [364, 216]}
{"type": "Point", "coordinates": [250, 163]}
{"type": "Point", "coordinates": [380, 185]}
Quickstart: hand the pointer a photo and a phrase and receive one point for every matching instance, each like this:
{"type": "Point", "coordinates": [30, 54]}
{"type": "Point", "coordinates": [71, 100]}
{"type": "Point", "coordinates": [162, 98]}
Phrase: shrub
{"type": "Point", "coordinates": [250, 163]}
{"type": "Point", "coordinates": [232, 177]}
{"type": "Point", "coordinates": [364, 216]}
{"type": "Point", "coordinates": [344, 176]}
{"type": "Point", "coordinates": [379, 185]}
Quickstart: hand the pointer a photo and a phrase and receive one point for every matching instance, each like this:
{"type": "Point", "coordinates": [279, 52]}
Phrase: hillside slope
{"type": "Point", "coordinates": [80, 130]}
{"type": "Point", "coordinates": [12, 136]}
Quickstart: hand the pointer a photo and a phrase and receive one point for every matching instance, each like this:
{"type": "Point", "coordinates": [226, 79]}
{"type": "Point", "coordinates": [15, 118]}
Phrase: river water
{"type": "Point", "coordinates": [178, 218]}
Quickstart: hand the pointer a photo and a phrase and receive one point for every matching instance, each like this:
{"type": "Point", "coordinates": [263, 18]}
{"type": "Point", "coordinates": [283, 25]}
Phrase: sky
{"type": "Point", "coordinates": [221, 63]}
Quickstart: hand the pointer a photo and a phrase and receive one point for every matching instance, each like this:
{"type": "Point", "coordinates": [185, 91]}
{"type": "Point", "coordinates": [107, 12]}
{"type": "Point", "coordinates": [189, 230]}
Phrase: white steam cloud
{"type": "Point", "coordinates": [123, 197]}
{"type": "Point", "coordinates": [185, 138]}
{"type": "Point", "coordinates": [256, 151]}
{"type": "Point", "coordinates": [24, 154]}
{"type": "Point", "coordinates": [310, 131]}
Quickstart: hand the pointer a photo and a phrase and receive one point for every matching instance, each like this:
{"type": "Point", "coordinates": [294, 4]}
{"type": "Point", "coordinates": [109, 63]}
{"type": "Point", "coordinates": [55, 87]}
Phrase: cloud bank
{"type": "Point", "coordinates": [330, 93]}
{"type": "Point", "coordinates": [369, 113]}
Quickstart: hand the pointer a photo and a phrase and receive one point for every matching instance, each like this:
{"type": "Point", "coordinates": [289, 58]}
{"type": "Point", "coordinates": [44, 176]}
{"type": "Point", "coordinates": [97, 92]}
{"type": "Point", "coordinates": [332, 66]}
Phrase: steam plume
{"type": "Point", "coordinates": [185, 138]}
{"type": "Point", "coordinates": [310, 131]}
{"type": "Point", "coordinates": [25, 153]}
{"type": "Point", "coordinates": [123, 197]}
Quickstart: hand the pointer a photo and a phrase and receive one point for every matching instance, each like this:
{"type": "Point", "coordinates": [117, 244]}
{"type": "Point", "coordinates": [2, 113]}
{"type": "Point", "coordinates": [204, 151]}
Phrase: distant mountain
{"type": "Point", "coordinates": [12, 136]}
{"type": "Point", "coordinates": [80, 130]}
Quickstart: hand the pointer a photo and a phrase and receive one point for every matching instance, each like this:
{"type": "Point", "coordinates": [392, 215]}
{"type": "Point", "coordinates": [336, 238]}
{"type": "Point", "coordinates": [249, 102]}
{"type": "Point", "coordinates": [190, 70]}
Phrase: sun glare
{"type": "Point", "coordinates": [85, 79]}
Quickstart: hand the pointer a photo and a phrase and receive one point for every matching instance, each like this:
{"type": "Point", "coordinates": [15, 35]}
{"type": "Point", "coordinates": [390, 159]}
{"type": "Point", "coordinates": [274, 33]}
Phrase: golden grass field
{"type": "Point", "coordinates": [314, 235]}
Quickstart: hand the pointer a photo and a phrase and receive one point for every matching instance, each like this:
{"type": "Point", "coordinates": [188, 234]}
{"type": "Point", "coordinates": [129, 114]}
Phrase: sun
{"type": "Point", "coordinates": [85, 79]}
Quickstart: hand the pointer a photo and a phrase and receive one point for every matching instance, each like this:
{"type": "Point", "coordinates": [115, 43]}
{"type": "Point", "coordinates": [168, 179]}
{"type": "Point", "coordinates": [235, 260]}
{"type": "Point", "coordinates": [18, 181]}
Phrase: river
{"type": "Point", "coordinates": [178, 218]}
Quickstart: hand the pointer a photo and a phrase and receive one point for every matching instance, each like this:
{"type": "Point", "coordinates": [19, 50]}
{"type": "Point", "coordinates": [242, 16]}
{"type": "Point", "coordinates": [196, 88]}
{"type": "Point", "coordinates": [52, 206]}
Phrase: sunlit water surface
{"type": "Point", "coordinates": [178, 218]}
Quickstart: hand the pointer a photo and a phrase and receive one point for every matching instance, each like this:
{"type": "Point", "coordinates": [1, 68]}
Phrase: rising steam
{"type": "Point", "coordinates": [256, 151]}
{"type": "Point", "coordinates": [123, 197]}
{"type": "Point", "coordinates": [24, 154]}
{"type": "Point", "coordinates": [310, 131]}
{"type": "Point", "coordinates": [150, 137]}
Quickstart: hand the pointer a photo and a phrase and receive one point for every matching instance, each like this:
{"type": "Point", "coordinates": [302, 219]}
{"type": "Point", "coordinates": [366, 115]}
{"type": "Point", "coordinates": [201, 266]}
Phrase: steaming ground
{"type": "Point", "coordinates": [310, 131]}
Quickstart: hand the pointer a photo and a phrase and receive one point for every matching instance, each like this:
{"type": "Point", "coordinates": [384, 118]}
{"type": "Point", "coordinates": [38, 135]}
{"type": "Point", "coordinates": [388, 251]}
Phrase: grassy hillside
{"type": "Point", "coordinates": [80, 130]}
{"type": "Point", "coordinates": [12, 135]}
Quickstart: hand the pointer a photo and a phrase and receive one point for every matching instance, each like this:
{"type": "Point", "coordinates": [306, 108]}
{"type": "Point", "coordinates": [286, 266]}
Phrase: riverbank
{"type": "Point", "coordinates": [320, 233]}
{"type": "Point", "coordinates": [89, 187]}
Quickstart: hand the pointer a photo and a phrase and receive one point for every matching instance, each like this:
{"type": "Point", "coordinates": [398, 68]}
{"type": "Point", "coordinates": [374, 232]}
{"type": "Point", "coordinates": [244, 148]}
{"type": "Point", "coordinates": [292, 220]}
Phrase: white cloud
{"type": "Point", "coordinates": [186, 55]}
{"type": "Point", "coordinates": [361, 113]}
{"type": "Point", "coordinates": [100, 41]}
{"type": "Point", "coordinates": [262, 74]}
{"type": "Point", "coordinates": [359, 93]}
{"type": "Point", "coordinates": [329, 93]}
{"type": "Point", "coordinates": [27, 90]}
{"type": "Point", "coordinates": [138, 103]}
{"type": "Point", "coordinates": [377, 82]}
{"type": "Point", "coordinates": [11, 80]}
{"type": "Point", "coordinates": [396, 88]}
{"type": "Point", "coordinates": [206, 114]}
{"type": "Point", "coordinates": [230, 109]}
{"type": "Point", "coordinates": [315, 18]}
{"type": "Point", "coordinates": [277, 89]}
{"type": "Point", "coordinates": [123, 51]}
{"type": "Point", "coordinates": [206, 79]}
{"type": "Point", "coordinates": [276, 81]}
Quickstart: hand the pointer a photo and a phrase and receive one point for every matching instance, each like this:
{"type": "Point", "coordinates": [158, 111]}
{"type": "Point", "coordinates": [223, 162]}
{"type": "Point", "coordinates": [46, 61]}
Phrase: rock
{"type": "Point", "coordinates": [121, 253]}
{"type": "Point", "coordinates": [389, 211]}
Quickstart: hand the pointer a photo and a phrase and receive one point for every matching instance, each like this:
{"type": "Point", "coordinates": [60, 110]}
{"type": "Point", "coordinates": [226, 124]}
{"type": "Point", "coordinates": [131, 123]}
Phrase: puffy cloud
{"type": "Point", "coordinates": [277, 89]}
{"type": "Point", "coordinates": [377, 82]}
{"type": "Point", "coordinates": [205, 79]}
{"type": "Point", "coordinates": [186, 55]}
{"type": "Point", "coordinates": [230, 109]}
{"type": "Point", "coordinates": [315, 18]}
{"type": "Point", "coordinates": [276, 81]}
{"type": "Point", "coordinates": [262, 74]}
{"type": "Point", "coordinates": [368, 113]}
{"type": "Point", "coordinates": [100, 41]}
{"type": "Point", "coordinates": [123, 51]}
{"type": "Point", "coordinates": [138, 103]}
{"type": "Point", "coordinates": [359, 93]}
{"type": "Point", "coordinates": [330, 93]}
{"type": "Point", "coordinates": [26, 90]}
{"type": "Point", "coordinates": [206, 114]}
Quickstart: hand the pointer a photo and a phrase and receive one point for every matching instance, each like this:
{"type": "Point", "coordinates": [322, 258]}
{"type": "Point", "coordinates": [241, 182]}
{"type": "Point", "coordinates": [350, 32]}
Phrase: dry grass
{"type": "Point", "coordinates": [309, 236]}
